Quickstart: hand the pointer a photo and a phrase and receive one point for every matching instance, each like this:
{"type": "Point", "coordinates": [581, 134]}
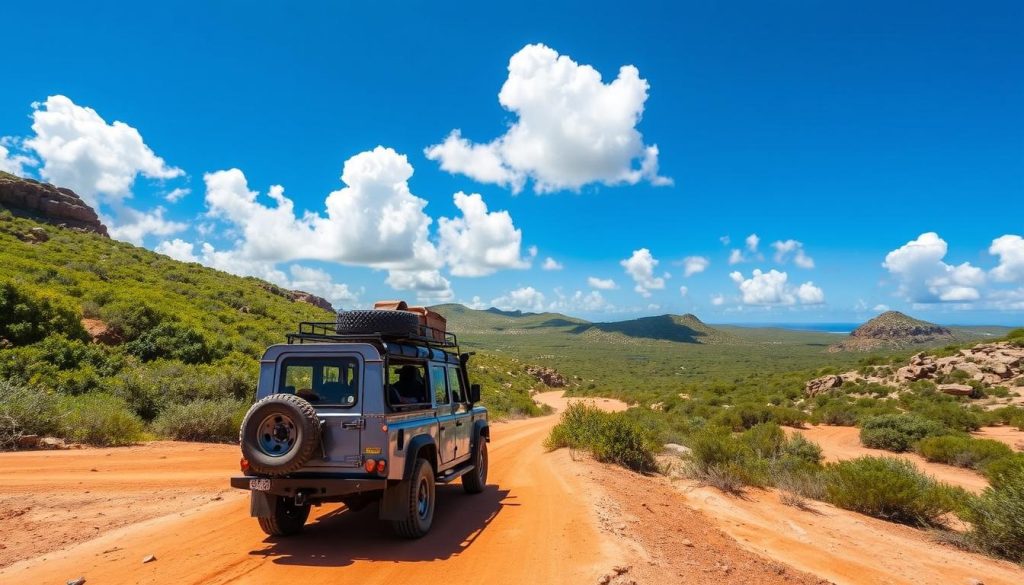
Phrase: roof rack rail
{"type": "Point", "coordinates": [327, 332]}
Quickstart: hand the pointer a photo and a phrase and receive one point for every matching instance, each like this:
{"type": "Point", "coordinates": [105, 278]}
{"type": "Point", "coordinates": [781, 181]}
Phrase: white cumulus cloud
{"type": "Point", "coordinates": [640, 267]}
{"type": "Point", "coordinates": [552, 264]}
{"type": "Point", "coordinates": [176, 195]}
{"type": "Point", "coordinates": [773, 288]}
{"type": "Point", "coordinates": [480, 242]}
{"type": "Point", "coordinates": [320, 283]}
{"type": "Point", "coordinates": [132, 225]}
{"type": "Point", "coordinates": [784, 250]}
{"type": "Point", "coordinates": [1010, 249]}
{"type": "Point", "coordinates": [522, 299]}
{"type": "Point", "coordinates": [11, 162]}
{"type": "Point", "coordinates": [80, 150]}
{"type": "Point", "coordinates": [925, 278]}
{"type": "Point", "coordinates": [572, 129]}
{"type": "Point", "coordinates": [695, 265]}
{"type": "Point", "coordinates": [601, 283]}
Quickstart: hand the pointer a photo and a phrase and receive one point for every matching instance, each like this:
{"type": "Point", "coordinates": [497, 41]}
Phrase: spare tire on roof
{"type": "Point", "coordinates": [378, 321]}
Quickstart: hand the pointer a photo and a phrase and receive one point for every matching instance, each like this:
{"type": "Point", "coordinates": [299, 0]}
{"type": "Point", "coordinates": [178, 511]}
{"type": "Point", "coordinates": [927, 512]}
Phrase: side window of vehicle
{"type": "Point", "coordinates": [407, 386]}
{"type": "Point", "coordinates": [455, 384]}
{"type": "Point", "coordinates": [440, 387]}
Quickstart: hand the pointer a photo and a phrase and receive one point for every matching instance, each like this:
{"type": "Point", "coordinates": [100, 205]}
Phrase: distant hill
{"type": "Point", "coordinates": [893, 329]}
{"type": "Point", "coordinates": [680, 328]}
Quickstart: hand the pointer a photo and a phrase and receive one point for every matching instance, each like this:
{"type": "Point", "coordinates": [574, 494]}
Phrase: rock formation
{"type": "Point", "coordinates": [550, 377]}
{"type": "Point", "coordinates": [44, 202]}
{"type": "Point", "coordinates": [893, 329]}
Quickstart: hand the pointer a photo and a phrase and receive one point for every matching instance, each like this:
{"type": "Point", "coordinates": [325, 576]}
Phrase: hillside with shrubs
{"type": "Point", "coordinates": [106, 343]}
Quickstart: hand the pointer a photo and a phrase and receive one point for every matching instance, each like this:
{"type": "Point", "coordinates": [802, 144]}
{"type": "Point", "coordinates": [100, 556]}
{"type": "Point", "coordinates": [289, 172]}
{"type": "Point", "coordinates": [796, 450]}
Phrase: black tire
{"type": "Point", "coordinates": [288, 518]}
{"type": "Point", "coordinates": [420, 494]}
{"type": "Point", "coordinates": [279, 434]}
{"type": "Point", "coordinates": [475, 481]}
{"type": "Point", "coordinates": [378, 321]}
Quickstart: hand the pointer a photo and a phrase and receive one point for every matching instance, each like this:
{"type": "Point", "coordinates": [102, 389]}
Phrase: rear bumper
{"type": "Point", "coordinates": [312, 488]}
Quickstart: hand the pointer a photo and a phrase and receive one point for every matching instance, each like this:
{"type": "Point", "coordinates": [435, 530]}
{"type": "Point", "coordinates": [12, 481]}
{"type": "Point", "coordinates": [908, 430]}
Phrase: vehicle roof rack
{"type": "Point", "coordinates": [327, 332]}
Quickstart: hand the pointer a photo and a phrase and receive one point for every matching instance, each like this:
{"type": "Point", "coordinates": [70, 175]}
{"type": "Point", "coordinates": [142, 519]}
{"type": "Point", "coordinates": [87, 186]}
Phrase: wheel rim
{"type": "Point", "coordinates": [277, 435]}
{"type": "Point", "coordinates": [423, 499]}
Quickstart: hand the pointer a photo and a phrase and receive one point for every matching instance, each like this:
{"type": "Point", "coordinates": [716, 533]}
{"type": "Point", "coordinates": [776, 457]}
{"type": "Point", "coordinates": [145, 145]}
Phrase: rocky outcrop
{"type": "Point", "coordinates": [305, 297]}
{"type": "Point", "coordinates": [821, 385]}
{"type": "Point", "coordinates": [893, 329]}
{"type": "Point", "coordinates": [550, 377]}
{"type": "Point", "coordinates": [44, 202]}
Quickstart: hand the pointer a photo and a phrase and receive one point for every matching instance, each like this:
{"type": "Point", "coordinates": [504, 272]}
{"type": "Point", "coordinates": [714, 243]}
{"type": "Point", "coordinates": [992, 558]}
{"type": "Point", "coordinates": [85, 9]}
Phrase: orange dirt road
{"type": "Point", "coordinates": [533, 524]}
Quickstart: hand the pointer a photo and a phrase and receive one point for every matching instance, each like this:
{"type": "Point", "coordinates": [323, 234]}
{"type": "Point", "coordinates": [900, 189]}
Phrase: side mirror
{"type": "Point", "coordinates": [474, 393]}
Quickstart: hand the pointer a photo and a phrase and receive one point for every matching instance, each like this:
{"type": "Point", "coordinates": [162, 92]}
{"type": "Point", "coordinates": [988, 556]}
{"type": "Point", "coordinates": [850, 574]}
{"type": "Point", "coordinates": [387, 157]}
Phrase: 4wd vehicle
{"type": "Point", "coordinates": [376, 408]}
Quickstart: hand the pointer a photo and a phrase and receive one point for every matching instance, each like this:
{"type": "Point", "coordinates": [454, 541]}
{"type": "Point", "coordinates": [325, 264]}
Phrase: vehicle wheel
{"type": "Point", "coordinates": [378, 321]}
{"type": "Point", "coordinates": [279, 434]}
{"type": "Point", "coordinates": [419, 493]}
{"type": "Point", "coordinates": [475, 481]}
{"type": "Point", "coordinates": [288, 518]}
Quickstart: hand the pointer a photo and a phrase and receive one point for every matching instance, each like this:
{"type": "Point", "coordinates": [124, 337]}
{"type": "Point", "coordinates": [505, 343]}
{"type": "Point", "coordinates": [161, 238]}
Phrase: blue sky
{"type": "Point", "coordinates": [888, 141]}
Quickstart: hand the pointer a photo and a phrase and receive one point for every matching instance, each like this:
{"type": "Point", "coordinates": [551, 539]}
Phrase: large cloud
{"type": "Point", "coordinates": [572, 129]}
{"type": "Point", "coordinates": [1010, 249]}
{"type": "Point", "coordinates": [640, 267]}
{"type": "Point", "coordinates": [773, 288]}
{"type": "Point", "coordinates": [924, 277]}
{"type": "Point", "coordinates": [523, 299]}
{"type": "Point", "coordinates": [480, 242]}
{"type": "Point", "coordinates": [80, 150]}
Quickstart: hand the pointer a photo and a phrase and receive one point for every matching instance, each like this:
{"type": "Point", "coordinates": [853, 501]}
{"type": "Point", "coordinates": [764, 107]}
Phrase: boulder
{"type": "Point", "coordinates": [549, 376]}
{"type": "Point", "coordinates": [821, 385]}
{"type": "Point", "coordinates": [913, 373]}
{"type": "Point", "coordinates": [956, 389]}
{"type": "Point", "coordinates": [311, 299]}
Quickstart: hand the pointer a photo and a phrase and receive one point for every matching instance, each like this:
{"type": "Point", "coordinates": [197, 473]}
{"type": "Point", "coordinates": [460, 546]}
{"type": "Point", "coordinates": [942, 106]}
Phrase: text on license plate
{"type": "Point", "coordinates": [260, 485]}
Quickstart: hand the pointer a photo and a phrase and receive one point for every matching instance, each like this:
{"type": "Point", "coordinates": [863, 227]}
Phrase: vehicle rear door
{"type": "Point", "coordinates": [446, 429]}
{"type": "Point", "coordinates": [333, 385]}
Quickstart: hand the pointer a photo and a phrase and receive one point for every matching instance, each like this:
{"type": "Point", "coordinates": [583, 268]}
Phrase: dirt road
{"type": "Point", "coordinates": [544, 518]}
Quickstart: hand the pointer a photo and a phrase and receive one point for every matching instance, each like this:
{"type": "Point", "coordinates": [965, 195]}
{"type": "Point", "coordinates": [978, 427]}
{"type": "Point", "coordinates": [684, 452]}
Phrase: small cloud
{"type": "Point", "coordinates": [640, 267]}
{"type": "Point", "coordinates": [881, 308]}
{"type": "Point", "coordinates": [177, 195]}
{"type": "Point", "coordinates": [551, 264]}
{"type": "Point", "coordinates": [718, 300]}
{"type": "Point", "coordinates": [694, 265]}
{"type": "Point", "coordinates": [683, 291]}
{"type": "Point", "coordinates": [601, 283]}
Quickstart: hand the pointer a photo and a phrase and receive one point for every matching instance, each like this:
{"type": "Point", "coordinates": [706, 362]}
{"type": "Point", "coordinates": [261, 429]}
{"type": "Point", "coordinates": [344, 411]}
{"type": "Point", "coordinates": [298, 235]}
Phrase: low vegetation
{"type": "Point", "coordinates": [609, 437]}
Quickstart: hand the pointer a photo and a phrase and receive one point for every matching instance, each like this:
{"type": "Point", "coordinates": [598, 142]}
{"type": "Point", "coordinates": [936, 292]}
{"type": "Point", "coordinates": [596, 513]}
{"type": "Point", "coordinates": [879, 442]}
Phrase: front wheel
{"type": "Point", "coordinates": [288, 519]}
{"type": "Point", "coordinates": [419, 493]}
{"type": "Point", "coordinates": [475, 481]}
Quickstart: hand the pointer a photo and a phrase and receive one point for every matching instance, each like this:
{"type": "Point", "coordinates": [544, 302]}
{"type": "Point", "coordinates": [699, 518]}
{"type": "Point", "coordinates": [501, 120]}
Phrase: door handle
{"type": "Point", "coordinates": [441, 427]}
{"type": "Point", "coordinates": [355, 424]}
{"type": "Point", "coordinates": [458, 423]}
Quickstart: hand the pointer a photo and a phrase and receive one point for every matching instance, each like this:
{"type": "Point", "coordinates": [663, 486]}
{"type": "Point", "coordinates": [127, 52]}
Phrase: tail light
{"type": "Point", "coordinates": [244, 464]}
{"type": "Point", "coordinates": [370, 465]}
{"type": "Point", "coordinates": [382, 466]}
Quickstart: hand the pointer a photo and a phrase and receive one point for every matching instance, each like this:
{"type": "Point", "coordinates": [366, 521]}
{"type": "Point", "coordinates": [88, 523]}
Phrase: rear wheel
{"type": "Point", "coordinates": [419, 492]}
{"type": "Point", "coordinates": [288, 518]}
{"type": "Point", "coordinates": [475, 481]}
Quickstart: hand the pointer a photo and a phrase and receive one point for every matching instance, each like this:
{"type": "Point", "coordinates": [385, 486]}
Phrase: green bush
{"type": "Point", "coordinates": [26, 317]}
{"type": "Point", "coordinates": [202, 420]}
{"type": "Point", "coordinates": [172, 341]}
{"type": "Point", "coordinates": [962, 451]}
{"type": "Point", "coordinates": [609, 437]}
{"type": "Point", "coordinates": [898, 432]}
{"type": "Point", "coordinates": [1002, 471]}
{"type": "Point", "coordinates": [99, 419]}
{"type": "Point", "coordinates": [26, 411]}
{"type": "Point", "coordinates": [997, 517]}
{"type": "Point", "coordinates": [889, 488]}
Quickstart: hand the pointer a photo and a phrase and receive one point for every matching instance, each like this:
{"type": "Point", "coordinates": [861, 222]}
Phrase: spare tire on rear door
{"type": "Point", "coordinates": [279, 434]}
{"type": "Point", "coordinates": [383, 322]}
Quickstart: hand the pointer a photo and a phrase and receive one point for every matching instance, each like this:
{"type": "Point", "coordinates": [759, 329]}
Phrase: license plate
{"type": "Point", "coordinates": [259, 485]}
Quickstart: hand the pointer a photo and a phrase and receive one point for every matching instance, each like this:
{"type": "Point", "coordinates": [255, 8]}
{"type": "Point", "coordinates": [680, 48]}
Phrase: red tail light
{"type": "Point", "coordinates": [370, 465]}
{"type": "Point", "coordinates": [244, 464]}
{"type": "Point", "coordinates": [382, 466]}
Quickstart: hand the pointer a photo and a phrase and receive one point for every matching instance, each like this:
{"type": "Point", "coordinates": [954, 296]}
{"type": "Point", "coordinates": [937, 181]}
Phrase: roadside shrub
{"type": "Point", "coordinates": [889, 488]}
{"type": "Point", "coordinates": [898, 432]}
{"type": "Point", "coordinates": [172, 341]}
{"type": "Point", "coordinates": [99, 419]}
{"type": "Point", "coordinates": [760, 456]}
{"type": "Point", "coordinates": [26, 411]}
{"type": "Point", "coordinates": [997, 517]}
{"type": "Point", "coordinates": [962, 451]}
{"type": "Point", "coordinates": [202, 420]}
{"type": "Point", "coordinates": [609, 437]}
{"type": "Point", "coordinates": [1003, 471]}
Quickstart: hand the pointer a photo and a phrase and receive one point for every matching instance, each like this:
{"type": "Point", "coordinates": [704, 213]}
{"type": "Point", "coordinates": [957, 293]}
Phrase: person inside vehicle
{"type": "Point", "coordinates": [409, 387]}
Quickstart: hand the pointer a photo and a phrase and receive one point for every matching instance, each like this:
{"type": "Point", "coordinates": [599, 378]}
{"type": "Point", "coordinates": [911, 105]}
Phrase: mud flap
{"type": "Point", "coordinates": [394, 503]}
{"type": "Point", "coordinates": [262, 505]}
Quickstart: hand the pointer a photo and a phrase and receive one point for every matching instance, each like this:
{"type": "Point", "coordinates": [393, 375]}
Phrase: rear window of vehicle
{"type": "Point", "coordinates": [322, 381]}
